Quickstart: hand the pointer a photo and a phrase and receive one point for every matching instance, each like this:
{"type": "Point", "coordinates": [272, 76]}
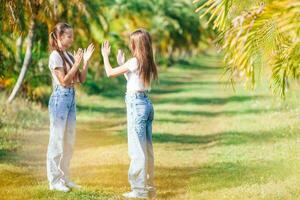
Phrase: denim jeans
{"type": "Point", "coordinates": [140, 115]}
{"type": "Point", "coordinates": [62, 113]}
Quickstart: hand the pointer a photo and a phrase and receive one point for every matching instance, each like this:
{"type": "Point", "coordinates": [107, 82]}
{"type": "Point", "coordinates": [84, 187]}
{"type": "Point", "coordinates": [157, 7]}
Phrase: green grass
{"type": "Point", "coordinates": [209, 142]}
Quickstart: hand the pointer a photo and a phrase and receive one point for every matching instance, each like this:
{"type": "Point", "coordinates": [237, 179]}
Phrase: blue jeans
{"type": "Point", "coordinates": [140, 115]}
{"type": "Point", "coordinates": [62, 113]}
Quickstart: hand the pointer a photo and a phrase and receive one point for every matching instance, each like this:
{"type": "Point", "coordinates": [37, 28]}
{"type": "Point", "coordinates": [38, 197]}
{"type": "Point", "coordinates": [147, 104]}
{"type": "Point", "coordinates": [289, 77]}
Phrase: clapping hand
{"type": "Point", "coordinates": [87, 53]}
{"type": "Point", "coordinates": [105, 49]}
{"type": "Point", "coordinates": [78, 56]}
{"type": "Point", "coordinates": [120, 57]}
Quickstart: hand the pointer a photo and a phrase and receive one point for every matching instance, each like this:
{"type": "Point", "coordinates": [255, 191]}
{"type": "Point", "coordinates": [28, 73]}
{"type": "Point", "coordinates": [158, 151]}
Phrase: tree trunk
{"type": "Point", "coordinates": [170, 56]}
{"type": "Point", "coordinates": [19, 45]}
{"type": "Point", "coordinates": [26, 61]}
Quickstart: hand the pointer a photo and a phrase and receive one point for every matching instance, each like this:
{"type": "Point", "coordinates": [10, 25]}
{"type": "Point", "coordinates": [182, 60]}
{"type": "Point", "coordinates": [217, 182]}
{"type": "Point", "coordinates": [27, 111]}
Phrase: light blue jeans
{"type": "Point", "coordinates": [140, 115]}
{"type": "Point", "coordinates": [62, 113]}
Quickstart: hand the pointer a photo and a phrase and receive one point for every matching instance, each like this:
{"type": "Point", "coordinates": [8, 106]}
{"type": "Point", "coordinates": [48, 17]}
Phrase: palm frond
{"type": "Point", "coordinates": [269, 31]}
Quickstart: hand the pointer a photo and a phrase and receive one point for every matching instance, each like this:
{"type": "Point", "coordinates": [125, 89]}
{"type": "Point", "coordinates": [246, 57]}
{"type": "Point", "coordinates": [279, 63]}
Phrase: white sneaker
{"type": "Point", "coordinates": [71, 184]}
{"type": "Point", "coordinates": [59, 187]}
{"type": "Point", "coordinates": [133, 195]}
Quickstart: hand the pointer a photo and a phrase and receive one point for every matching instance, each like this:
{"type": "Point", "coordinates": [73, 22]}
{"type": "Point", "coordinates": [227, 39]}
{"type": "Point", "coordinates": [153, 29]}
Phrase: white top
{"type": "Point", "coordinates": [134, 82]}
{"type": "Point", "coordinates": [56, 61]}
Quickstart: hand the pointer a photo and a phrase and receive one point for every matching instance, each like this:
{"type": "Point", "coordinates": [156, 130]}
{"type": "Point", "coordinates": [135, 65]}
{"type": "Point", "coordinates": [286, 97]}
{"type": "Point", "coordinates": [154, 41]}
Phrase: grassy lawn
{"type": "Point", "coordinates": [209, 141]}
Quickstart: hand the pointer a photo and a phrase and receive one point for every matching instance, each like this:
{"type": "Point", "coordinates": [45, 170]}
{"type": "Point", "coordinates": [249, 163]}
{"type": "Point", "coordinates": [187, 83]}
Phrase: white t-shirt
{"type": "Point", "coordinates": [134, 82]}
{"type": "Point", "coordinates": [56, 61]}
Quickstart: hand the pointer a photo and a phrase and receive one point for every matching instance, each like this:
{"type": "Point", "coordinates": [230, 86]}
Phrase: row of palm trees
{"type": "Point", "coordinates": [254, 35]}
{"type": "Point", "coordinates": [25, 25]}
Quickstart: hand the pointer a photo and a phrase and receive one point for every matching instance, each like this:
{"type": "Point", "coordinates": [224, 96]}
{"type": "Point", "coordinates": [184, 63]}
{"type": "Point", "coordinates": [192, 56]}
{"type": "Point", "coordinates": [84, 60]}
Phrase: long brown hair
{"type": "Point", "coordinates": [59, 29]}
{"type": "Point", "coordinates": [141, 48]}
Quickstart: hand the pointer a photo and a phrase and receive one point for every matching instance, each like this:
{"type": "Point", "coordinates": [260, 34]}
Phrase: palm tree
{"type": "Point", "coordinates": [37, 13]}
{"type": "Point", "coordinates": [16, 9]}
{"type": "Point", "coordinates": [173, 27]}
{"type": "Point", "coordinates": [254, 35]}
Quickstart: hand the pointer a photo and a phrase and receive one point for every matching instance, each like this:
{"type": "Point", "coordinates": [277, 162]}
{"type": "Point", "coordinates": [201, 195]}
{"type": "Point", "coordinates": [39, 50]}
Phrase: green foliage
{"type": "Point", "coordinates": [175, 30]}
{"type": "Point", "coordinates": [265, 34]}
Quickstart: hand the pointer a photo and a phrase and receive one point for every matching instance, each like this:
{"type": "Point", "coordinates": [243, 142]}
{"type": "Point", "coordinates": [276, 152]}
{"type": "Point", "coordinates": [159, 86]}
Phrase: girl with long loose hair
{"type": "Point", "coordinates": [140, 71]}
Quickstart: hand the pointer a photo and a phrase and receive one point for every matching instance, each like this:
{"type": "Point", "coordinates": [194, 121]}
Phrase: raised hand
{"type": "Point", "coordinates": [87, 53]}
{"type": "Point", "coordinates": [105, 49]}
{"type": "Point", "coordinates": [120, 57]}
{"type": "Point", "coordinates": [78, 56]}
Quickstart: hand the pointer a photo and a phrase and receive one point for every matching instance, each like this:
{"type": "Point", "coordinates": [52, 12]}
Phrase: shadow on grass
{"type": "Point", "coordinates": [228, 174]}
{"type": "Point", "coordinates": [173, 86]}
{"type": "Point", "coordinates": [227, 138]}
{"type": "Point", "coordinates": [173, 82]}
{"type": "Point", "coordinates": [220, 113]}
{"type": "Point", "coordinates": [176, 121]}
{"type": "Point", "coordinates": [165, 91]}
{"type": "Point", "coordinates": [207, 62]}
{"type": "Point", "coordinates": [207, 101]}
{"type": "Point", "coordinates": [8, 156]}
{"type": "Point", "coordinates": [182, 114]}
{"type": "Point", "coordinates": [101, 109]}
{"type": "Point", "coordinates": [8, 149]}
